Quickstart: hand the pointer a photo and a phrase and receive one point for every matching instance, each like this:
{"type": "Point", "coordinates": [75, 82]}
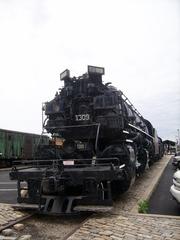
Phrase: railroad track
{"type": "Point", "coordinates": [11, 223]}
{"type": "Point", "coordinates": [58, 227]}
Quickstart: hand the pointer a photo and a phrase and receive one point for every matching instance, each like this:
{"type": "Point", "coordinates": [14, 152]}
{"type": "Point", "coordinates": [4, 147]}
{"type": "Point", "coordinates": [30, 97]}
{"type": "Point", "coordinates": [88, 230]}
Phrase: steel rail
{"type": "Point", "coordinates": [11, 223]}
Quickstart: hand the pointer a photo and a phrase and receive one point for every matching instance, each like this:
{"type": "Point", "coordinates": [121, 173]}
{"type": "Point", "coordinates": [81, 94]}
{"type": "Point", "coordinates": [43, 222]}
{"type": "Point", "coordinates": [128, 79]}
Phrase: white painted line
{"type": "Point", "coordinates": [8, 183]}
{"type": "Point", "coordinates": [8, 190]}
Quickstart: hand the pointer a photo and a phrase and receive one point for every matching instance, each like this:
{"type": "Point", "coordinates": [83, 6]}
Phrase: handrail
{"type": "Point", "coordinates": [76, 163]}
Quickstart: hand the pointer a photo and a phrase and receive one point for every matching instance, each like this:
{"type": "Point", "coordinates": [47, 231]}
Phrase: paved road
{"type": "Point", "coordinates": [161, 202]}
{"type": "Point", "coordinates": [8, 188]}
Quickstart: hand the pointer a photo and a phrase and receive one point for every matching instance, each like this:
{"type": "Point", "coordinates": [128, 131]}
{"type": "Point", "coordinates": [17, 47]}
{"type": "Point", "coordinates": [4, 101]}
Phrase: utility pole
{"type": "Point", "coordinates": [178, 141]}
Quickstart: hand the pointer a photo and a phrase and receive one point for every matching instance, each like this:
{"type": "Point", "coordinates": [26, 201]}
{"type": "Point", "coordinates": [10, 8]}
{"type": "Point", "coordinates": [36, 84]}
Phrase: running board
{"type": "Point", "coordinates": [93, 208]}
{"type": "Point", "coordinates": [27, 206]}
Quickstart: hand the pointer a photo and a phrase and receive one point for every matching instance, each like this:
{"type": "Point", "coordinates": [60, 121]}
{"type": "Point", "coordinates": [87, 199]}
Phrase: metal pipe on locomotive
{"type": "Point", "coordinates": [106, 144]}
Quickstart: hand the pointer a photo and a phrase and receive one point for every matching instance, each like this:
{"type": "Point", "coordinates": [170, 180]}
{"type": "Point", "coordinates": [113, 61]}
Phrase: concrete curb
{"type": "Point", "coordinates": [152, 187]}
{"type": "Point", "coordinates": [158, 216]}
{"type": "Point", "coordinates": [156, 181]}
{"type": "Point", "coordinates": [124, 213]}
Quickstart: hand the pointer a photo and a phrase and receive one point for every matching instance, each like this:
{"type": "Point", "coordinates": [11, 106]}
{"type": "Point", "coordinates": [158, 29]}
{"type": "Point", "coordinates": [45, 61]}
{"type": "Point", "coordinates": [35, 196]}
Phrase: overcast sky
{"type": "Point", "coordinates": [138, 43]}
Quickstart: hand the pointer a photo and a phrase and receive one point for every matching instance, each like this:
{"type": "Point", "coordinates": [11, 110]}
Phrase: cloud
{"type": "Point", "coordinates": [136, 41]}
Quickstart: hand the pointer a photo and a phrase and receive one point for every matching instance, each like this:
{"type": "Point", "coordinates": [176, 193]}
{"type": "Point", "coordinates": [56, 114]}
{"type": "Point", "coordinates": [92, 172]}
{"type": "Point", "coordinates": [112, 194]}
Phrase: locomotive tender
{"type": "Point", "coordinates": [106, 144]}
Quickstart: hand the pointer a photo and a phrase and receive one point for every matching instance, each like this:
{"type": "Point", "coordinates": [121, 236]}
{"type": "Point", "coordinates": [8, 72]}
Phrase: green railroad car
{"type": "Point", "coordinates": [19, 145]}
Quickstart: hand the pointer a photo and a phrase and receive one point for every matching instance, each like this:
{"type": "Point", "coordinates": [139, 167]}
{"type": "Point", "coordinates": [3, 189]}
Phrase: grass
{"type": "Point", "coordinates": [143, 206]}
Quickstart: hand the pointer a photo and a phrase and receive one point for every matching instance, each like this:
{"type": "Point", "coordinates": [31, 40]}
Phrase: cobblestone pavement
{"type": "Point", "coordinates": [125, 223]}
{"type": "Point", "coordinates": [8, 214]}
{"type": "Point", "coordinates": [128, 227]}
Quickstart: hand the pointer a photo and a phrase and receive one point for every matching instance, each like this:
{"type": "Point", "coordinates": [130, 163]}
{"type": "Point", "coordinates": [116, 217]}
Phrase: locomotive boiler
{"type": "Point", "coordinates": [105, 144]}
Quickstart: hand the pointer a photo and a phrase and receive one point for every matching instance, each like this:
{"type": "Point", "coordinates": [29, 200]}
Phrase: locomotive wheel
{"type": "Point", "coordinates": [127, 156]}
{"type": "Point", "coordinates": [122, 186]}
{"type": "Point", "coordinates": [151, 161]}
{"type": "Point", "coordinates": [142, 161]}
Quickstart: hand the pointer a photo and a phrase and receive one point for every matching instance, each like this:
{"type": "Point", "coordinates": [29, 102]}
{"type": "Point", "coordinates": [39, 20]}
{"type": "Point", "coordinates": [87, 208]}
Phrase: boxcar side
{"type": "Point", "coordinates": [18, 146]}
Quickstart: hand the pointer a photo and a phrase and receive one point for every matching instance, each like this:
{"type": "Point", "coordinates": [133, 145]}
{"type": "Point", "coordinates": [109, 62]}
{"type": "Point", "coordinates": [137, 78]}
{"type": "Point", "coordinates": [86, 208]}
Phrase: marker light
{"type": "Point", "coordinates": [65, 75]}
{"type": "Point", "coordinates": [96, 70]}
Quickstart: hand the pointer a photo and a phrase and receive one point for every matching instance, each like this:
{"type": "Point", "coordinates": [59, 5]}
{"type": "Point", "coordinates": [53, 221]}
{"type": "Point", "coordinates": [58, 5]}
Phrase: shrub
{"type": "Point", "coordinates": [143, 206]}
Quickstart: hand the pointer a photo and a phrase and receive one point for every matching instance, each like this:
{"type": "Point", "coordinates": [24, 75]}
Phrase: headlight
{"type": "Point", "coordinates": [96, 70]}
{"type": "Point", "coordinates": [65, 75]}
{"type": "Point", "coordinates": [69, 146]}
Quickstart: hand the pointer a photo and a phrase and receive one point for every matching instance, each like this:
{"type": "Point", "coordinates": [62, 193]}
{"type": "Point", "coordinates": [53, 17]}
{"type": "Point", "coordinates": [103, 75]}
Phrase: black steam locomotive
{"type": "Point", "coordinates": [105, 143]}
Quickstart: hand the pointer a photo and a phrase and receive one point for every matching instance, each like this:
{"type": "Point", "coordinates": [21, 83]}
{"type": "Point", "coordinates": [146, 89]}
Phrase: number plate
{"type": "Point", "coordinates": [82, 117]}
{"type": "Point", "coordinates": [80, 146]}
{"type": "Point", "coordinates": [68, 162]}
